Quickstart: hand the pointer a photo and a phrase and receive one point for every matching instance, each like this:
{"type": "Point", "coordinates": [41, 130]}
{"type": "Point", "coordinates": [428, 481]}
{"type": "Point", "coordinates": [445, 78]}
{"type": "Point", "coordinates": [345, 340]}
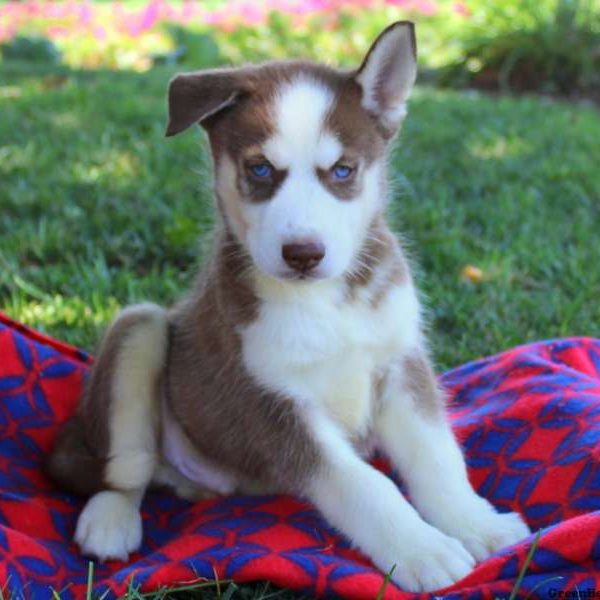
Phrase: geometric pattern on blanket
{"type": "Point", "coordinates": [528, 419]}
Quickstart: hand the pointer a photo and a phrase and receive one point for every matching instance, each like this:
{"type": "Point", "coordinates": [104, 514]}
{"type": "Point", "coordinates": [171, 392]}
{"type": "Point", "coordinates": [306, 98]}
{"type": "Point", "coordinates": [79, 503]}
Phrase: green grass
{"type": "Point", "coordinates": [207, 590]}
{"type": "Point", "coordinates": [98, 209]}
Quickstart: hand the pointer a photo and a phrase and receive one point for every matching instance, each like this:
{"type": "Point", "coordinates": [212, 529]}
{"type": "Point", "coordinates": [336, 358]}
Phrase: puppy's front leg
{"type": "Point", "coordinates": [366, 506]}
{"type": "Point", "coordinates": [413, 429]}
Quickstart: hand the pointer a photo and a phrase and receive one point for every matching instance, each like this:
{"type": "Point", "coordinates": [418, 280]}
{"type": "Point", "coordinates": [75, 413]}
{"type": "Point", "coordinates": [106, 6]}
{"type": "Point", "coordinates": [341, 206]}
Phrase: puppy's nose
{"type": "Point", "coordinates": [303, 257]}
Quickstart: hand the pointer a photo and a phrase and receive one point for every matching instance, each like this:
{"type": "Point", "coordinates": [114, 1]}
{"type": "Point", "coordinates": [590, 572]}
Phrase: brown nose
{"type": "Point", "coordinates": [303, 257]}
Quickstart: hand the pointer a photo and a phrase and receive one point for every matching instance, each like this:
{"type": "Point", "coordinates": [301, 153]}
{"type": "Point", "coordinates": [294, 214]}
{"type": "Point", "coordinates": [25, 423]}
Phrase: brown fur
{"type": "Point", "coordinates": [344, 189]}
{"type": "Point", "coordinates": [258, 190]}
{"type": "Point", "coordinates": [247, 123]}
{"type": "Point", "coordinates": [73, 464]}
{"type": "Point", "coordinates": [243, 122]}
{"type": "Point", "coordinates": [422, 384]}
{"type": "Point", "coordinates": [251, 432]}
{"type": "Point", "coordinates": [380, 250]}
{"type": "Point", "coordinates": [194, 97]}
{"type": "Point", "coordinates": [81, 451]}
{"type": "Point", "coordinates": [365, 141]}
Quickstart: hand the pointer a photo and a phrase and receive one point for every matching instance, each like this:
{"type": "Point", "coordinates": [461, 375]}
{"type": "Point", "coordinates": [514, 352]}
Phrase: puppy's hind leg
{"type": "Point", "coordinates": [127, 377]}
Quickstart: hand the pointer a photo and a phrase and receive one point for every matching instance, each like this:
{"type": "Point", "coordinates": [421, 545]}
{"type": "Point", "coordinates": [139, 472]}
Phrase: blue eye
{"type": "Point", "coordinates": [342, 171]}
{"type": "Point", "coordinates": [262, 170]}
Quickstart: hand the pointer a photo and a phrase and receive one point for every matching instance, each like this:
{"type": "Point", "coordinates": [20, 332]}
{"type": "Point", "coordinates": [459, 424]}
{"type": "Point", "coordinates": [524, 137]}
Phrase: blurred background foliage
{"type": "Point", "coordinates": [498, 196]}
{"type": "Point", "coordinates": [550, 46]}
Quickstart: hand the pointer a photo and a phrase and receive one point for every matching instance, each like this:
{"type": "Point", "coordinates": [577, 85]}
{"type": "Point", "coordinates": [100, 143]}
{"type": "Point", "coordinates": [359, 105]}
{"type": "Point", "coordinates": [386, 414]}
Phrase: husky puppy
{"type": "Point", "coordinates": [301, 343]}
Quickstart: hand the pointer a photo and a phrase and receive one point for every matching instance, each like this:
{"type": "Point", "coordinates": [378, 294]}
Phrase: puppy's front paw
{"type": "Point", "coordinates": [493, 531]}
{"type": "Point", "coordinates": [479, 527]}
{"type": "Point", "coordinates": [109, 527]}
{"type": "Point", "coordinates": [430, 560]}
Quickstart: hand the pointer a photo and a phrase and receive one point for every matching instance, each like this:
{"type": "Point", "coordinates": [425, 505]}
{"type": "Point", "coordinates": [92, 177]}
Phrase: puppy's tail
{"type": "Point", "coordinates": [72, 464]}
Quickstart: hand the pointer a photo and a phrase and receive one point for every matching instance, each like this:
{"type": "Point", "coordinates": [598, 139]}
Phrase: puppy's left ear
{"type": "Point", "coordinates": [194, 97]}
{"type": "Point", "coordinates": [388, 73]}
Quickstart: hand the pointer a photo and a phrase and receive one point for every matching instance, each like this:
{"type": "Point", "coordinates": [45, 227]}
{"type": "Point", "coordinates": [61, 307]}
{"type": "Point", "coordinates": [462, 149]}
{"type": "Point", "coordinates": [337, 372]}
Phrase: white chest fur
{"type": "Point", "coordinates": [313, 345]}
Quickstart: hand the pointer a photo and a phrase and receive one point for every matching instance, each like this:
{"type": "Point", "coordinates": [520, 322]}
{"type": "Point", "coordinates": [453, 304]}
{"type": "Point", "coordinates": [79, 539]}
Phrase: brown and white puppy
{"type": "Point", "coordinates": [300, 344]}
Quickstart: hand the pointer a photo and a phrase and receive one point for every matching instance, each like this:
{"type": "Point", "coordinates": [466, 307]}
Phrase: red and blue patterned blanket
{"type": "Point", "coordinates": [529, 420]}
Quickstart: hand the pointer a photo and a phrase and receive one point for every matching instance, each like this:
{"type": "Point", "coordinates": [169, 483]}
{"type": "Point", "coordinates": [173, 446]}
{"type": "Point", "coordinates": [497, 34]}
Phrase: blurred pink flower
{"type": "Point", "coordinates": [7, 32]}
{"type": "Point", "coordinates": [100, 33]}
{"type": "Point", "coordinates": [214, 18]}
{"type": "Point", "coordinates": [310, 6]}
{"type": "Point", "coordinates": [133, 20]}
{"type": "Point", "coordinates": [425, 7]}
{"type": "Point", "coordinates": [150, 15]}
{"type": "Point", "coordinates": [31, 8]}
{"type": "Point", "coordinates": [363, 4]}
{"type": "Point", "coordinates": [57, 11]}
{"type": "Point", "coordinates": [55, 32]}
{"type": "Point", "coordinates": [460, 8]}
{"type": "Point", "coordinates": [168, 12]}
{"type": "Point", "coordinates": [190, 11]}
{"type": "Point", "coordinates": [250, 14]}
{"type": "Point", "coordinates": [86, 14]}
{"type": "Point", "coordinates": [117, 8]}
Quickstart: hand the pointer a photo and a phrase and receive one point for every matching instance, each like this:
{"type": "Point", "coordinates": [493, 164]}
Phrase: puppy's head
{"type": "Point", "coordinates": [299, 151]}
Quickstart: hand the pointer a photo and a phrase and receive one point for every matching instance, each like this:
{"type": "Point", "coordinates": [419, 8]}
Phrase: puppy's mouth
{"type": "Point", "coordinates": [307, 276]}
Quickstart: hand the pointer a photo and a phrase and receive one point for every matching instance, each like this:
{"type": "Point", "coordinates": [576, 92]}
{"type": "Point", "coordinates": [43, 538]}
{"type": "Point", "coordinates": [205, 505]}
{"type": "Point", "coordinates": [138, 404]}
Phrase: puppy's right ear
{"type": "Point", "coordinates": [388, 73]}
{"type": "Point", "coordinates": [193, 97]}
